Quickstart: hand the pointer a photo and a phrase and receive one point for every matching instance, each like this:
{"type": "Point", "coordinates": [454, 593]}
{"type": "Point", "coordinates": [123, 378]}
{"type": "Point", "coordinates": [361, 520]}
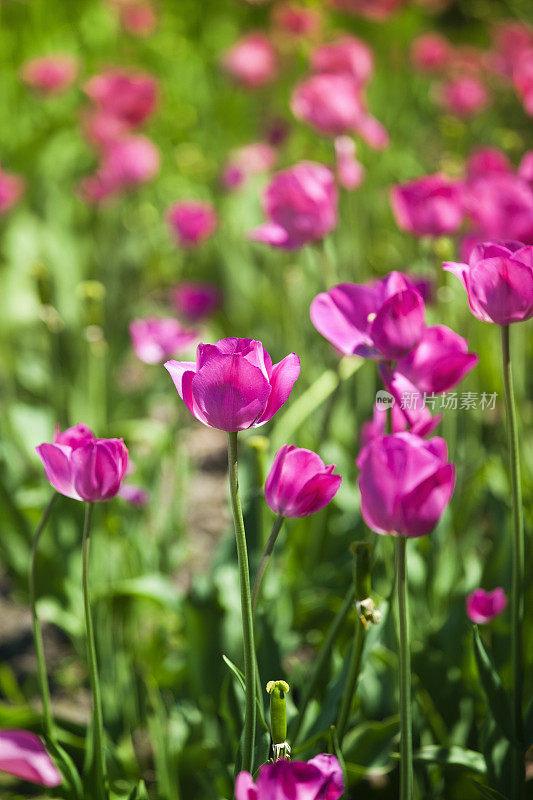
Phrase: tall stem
{"type": "Point", "coordinates": [267, 552]}
{"type": "Point", "coordinates": [248, 739]}
{"type": "Point", "coordinates": [48, 719]}
{"type": "Point", "coordinates": [404, 662]}
{"type": "Point", "coordinates": [517, 585]}
{"type": "Point", "coordinates": [356, 654]}
{"type": "Point", "coordinates": [98, 723]}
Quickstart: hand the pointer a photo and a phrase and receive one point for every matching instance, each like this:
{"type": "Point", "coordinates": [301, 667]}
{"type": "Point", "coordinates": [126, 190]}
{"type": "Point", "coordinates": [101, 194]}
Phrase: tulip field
{"type": "Point", "coordinates": [266, 386]}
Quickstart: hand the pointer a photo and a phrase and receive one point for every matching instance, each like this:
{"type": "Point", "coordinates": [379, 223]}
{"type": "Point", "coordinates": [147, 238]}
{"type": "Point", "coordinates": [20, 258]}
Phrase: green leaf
{"type": "Point", "coordinates": [452, 756]}
{"type": "Point", "coordinates": [139, 792]}
{"type": "Point", "coordinates": [369, 744]}
{"type": "Point", "coordinates": [495, 693]}
{"type": "Point", "coordinates": [240, 678]}
{"type": "Point", "coordinates": [488, 793]}
{"type": "Point", "coordinates": [154, 587]}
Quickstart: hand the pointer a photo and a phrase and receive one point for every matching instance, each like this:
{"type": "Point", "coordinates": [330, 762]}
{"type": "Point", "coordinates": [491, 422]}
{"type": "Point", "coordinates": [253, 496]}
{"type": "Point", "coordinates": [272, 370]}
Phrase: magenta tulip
{"type": "Point", "coordinates": [439, 361]}
{"type": "Point", "coordinates": [11, 190]}
{"type": "Point", "coordinates": [252, 61]}
{"type": "Point", "coordinates": [384, 319]}
{"type": "Point", "coordinates": [430, 52]}
{"type": "Point", "coordinates": [50, 74]}
{"type": "Point", "coordinates": [301, 205]}
{"type": "Point", "coordinates": [125, 94]}
{"type": "Point", "coordinates": [525, 168]}
{"type": "Point", "coordinates": [500, 206]}
{"type": "Point", "coordinates": [482, 606]}
{"type": "Point", "coordinates": [296, 20]}
{"type": "Point", "coordinates": [464, 96]}
{"type": "Point", "coordinates": [195, 301]}
{"type": "Point", "coordinates": [428, 206]}
{"type": "Point", "coordinates": [373, 9]}
{"type": "Point", "coordinates": [23, 755]}
{"type": "Point", "coordinates": [191, 222]}
{"type": "Point", "coordinates": [82, 467]}
{"type": "Point", "coordinates": [155, 340]}
{"type": "Point", "coordinates": [406, 483]}
{"type": "Point", "coordinates": [233, 384]}
{"type": "Point", "coordinates": [317, 779]}
{"type": "Point", "coordinates": [135, 495]}
{"type": "Point", "coordinates": [499, 281]}
{"type": "Point", "coordinates": [253, 159]}
{"type": "Point", "coordinates": [126, 163]}
{"type": "Point", "coordinates": [347, 54]}
{"type": "Point", "coordinates": [350, 171]}
{"type": "Point", "coordinates": [486, 159]}
{"type": "Point", "coordinates": [299, 483]}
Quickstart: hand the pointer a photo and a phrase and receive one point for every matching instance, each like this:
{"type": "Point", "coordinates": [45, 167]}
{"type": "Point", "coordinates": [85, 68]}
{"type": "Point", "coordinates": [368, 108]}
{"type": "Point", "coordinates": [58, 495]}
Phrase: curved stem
{"type": "Point", "coordinates": [404, 664]}
{"type": "Point", "coordinates": [48, 719]}
{"type": "Point", "coordinates": [267, 552]}
{"type": "Point", "coordinates": [248, 739]}
{"type": "Point", "coordinates": [98, 724]}
{"type": "Point", "coordinates": [356, 654]}
{"type": "Point", "coordinates": [517, 585]}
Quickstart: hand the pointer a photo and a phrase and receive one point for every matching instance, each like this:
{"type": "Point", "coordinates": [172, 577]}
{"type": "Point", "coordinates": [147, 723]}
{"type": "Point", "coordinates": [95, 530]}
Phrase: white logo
{"type": "Point", "coordinates": [384, 400]}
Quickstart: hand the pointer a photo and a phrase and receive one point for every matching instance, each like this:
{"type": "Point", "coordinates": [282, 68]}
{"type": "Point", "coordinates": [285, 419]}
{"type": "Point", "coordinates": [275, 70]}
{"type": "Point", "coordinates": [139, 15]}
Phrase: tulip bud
{"type": "Point", "coordinates": [278, 718]}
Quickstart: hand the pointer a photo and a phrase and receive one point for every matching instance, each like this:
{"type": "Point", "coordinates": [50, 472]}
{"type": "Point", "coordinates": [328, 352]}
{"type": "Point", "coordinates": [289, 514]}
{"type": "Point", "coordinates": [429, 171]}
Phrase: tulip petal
{"type": "Point", "coordinates": [270, 233]}
{"type": "Point", "coordinates": [423, 507]}
{"type": "Point", "coordinates": [23, 755]}
{"type": "Point", "coordinates": [245, 788]}
{"type": "Point", "coordinates": [399, 324]}
{"type": "Point", "coordinates": [177, 370]}
{"type": "Point", "coordinates": [284, 375]}
{"type": "Point", "coordinates": [56, 462]}
{"type": "Point", "coordinates": [316, 494]}
{"type": "Point", "coordinates": [341, 315]}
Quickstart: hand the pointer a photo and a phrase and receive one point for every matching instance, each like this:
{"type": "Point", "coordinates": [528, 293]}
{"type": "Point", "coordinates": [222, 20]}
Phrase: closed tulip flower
{"type": "Point", "coordinates": [347, 54]}
{"type": "Point", "coordinates": [301, 205]}
{"type": "Point", "coordinates": [428, 206]}
{"type": "Point", "coordinates": [50, 74]}
{"type": "Point", "coordinates": [482, 606]}
{"type": "Point", "coordinates": [252, 61]}
{"type": "Point", "coordinates": [406, 483]}
{"type": "Point", "coordinates": [195, 300]}
{"type": "Point", "coordinates": [155, 340]}
{"type": "Point", "coordinates": [23, 755]}
{"type": "Point", "coordinates": [331, 103]}
{"type": "Point", "coordinates": [299, 483]}
{"type": "Point", "coordinates": [464, 96]}
{"type": "Point", "coordinates": [125, 94]}
{"type": "Point", "coordinates": [439, 361]}
{"type": "Point", "coordinates": [499, 281]}
{"type": "Point", "coordinates": [320, 778]}
{"type": "Point", "coordinates": [384, 319]}
{"type": "Point", "coordinates": [500, 206]}
{"type": "Point", "coordinates": [82, 467]}
{"type": "Point", "coordinates": [233, 384]}
{"type": "Point", "coordinates": [191, 222]}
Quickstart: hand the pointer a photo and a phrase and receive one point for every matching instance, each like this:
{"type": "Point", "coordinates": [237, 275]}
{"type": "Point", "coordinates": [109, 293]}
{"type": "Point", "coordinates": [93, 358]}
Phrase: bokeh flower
{"type": "Point", "coordinates": [299, 483]}
{"type": "Point", "coordinates": [233, 384]}
{"type": "Point", "coordinates": [499, 281]}
{"type": "Point", "coordinates": [439, 361]}
{"type": "Point", "coordinates": [126, 94]}
{"type": "Point", "coordinates": [348, 55]}
{"type": "Point", "coordinates": [406, 483]}
{"type": "Point", "coordinates": [50, 74]}
{"type": "Point", "coordinates": [11, 190]}
{"type": "Point", "coordinates": [301, 205]}
{"type": "Point", "coordinates": [430, 52]}
{"type": "Point", "coordinates": [80, 466]}
{"type": "Point", "coordinates": [252, 61]}
{"type": "Point", "coordinates": [428, 206]}
{"type": "Point", "coordinates": [191, 222]}
{"type": "Point", "coordinates": [320, 778]}
{"type": "Point", "coordinates": [252, 159]}
{"type": "Point", "coordinates": [464, 96]}
{"type": "Point", "coordinates": [23, 755]}
{"type": "Point", "coordinates": [350, 172]}
{"type": "Point", "coordinates": [482, 606]}
{"type": "Point", "coordinates": [156, 339]}
{"type": "Point", "coordinates": [195, 300]}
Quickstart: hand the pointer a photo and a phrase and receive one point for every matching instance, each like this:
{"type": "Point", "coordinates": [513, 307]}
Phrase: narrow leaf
{"type": "Point", "coordinates": [495, 693]}
{"type": "Point", "coordinates": [452, 756]}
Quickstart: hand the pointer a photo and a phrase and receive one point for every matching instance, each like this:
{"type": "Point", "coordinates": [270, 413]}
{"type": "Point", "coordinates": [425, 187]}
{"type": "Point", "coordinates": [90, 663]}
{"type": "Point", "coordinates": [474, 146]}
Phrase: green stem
{"type": "Point", "coordinates": [321, 661]}
{"type": "Point", "coordinates": [356, 654]}
{"type": "Point", "coordinates": [517, 584]}
{"type": "Point", "coordinates": [99, 757]}
{"type": "Point", "coordinates": [248, 739]}
{"type": "Point", "coordinates": [267, 552]}
{"type": "Point", "coordinates": [406, 736]}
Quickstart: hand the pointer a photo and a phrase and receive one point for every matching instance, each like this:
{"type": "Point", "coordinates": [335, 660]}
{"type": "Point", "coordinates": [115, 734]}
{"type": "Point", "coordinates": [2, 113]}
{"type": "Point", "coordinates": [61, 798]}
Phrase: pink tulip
{"type": "Point", "coordinates": [233, 384]}
{"type": "Point", "coordinates": [406, 483]}
{"type": "Point", "coordinates": [301, 205]}
{"type": "Point", "coordinates": [512, 39]}
{"type": "Point", "coordinates": [320, 778]}
{"type": "Point", "coordinates": [252, 61]}
{"type": "Point", "coordinates": [428, 206]}
{"type": "Point", "coordinates": [439, 361]}
{"type": "Point", "coordinates": [23, 755]}
{"type": "Point", "coordinates": [191, 222]}
{"type": "Point", "coordinates": [430, 52]}
{"type": "Point", "coordinates": [330, 103]}
{"type": "Point", "coordinates": [101, 128]}
{"type": "Point", "coordinates": [135, 495]}
{"type": "Point", "coordinates": [350, 171]}
{"type": "Point", "coordinates": [130, 96]}
{"type": "Point", "coordinates": [383, 319]}
{"type": "Point", "coordinates": [296, 20]}
{"type": "Point", "coordinates": [482, 606]}
{"type": "Point", "coordinates": [525, 169]}
{"type": "Point", "coordinates": [500, 206]}
{"type": "Point", "coordinates": [348, 55]}
{"type": "Point", "coordinates": [82, 467]}
{"type": "Point", "coordinates": [50, 74]}
{"type": "Point", "coordinates": [155, 340]}
{"type": "Point", "coordinates": [299, 483]}
{"type": "Point", "coordinates": [195, 301]}
{"type": "Point", "coordinates": [484, 160]}
{"type": "Point", "coordinates": [137, 17]}
{"type": "Point", "coordinates": [126, 163]}
{"type": "Point", "coordinates": [499, 281]}
{"type": "Point", "coordinates": [253, 159]}
{"type": "Point", "coordinates": [464, 96]}
{"type": "Point", "coordinates": [373, 9]}
{"type": "Point", "coordinates": [523, 79]}
{"type": "Point", "coordinates": [11, 190]}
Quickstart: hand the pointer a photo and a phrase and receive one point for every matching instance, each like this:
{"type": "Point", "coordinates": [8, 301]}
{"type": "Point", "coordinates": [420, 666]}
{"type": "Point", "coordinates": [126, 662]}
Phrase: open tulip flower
{"type": "Point", "coordinates": [155, 340]}
{"type": "Point", "coordinates": [499, 281]}
{"type": "Point", "coordinates": [382, 320]}
{"type": "Point", "coordinates": [233, 384]}
{"type": "Point", "coordinates": [482, 606]}
{"type": "Point", "coordinates": [320, 778]}
{"type": "Point", "coordinates": [439, 361]}
{"type": "Point", "coordinates": [23, 755]}
{"type": "Point", "coordinates": [299, 483]}
{"type": "Point", "coordinates": [80, 466]}
{"type": "Point", "coordinates": [406, 483]}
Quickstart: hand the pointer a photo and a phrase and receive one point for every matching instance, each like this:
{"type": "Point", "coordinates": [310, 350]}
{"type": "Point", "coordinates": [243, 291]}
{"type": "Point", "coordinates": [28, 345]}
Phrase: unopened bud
{"type": "Point", "coordinates": [278, 717]}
